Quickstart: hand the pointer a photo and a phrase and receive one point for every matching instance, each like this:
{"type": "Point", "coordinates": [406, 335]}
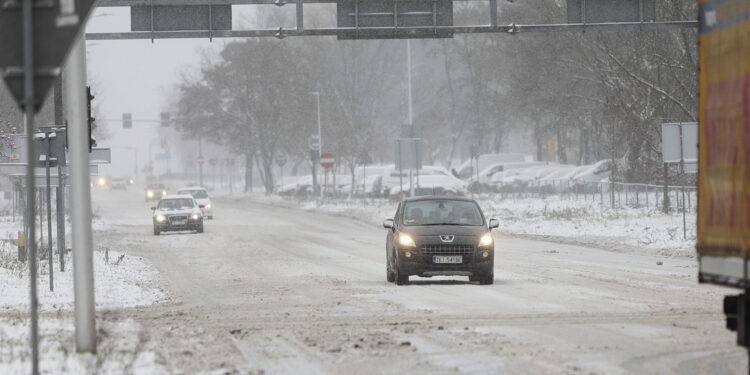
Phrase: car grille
{"type": "Point", "coordinates": [173, 219]}
{"type": "Point", "coordinates": [430, 250]}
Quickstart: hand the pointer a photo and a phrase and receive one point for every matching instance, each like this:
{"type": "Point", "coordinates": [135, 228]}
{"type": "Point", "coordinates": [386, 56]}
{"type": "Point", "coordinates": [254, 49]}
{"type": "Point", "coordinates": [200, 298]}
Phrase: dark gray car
{"type": "Point", "coordinates": [435, 236]}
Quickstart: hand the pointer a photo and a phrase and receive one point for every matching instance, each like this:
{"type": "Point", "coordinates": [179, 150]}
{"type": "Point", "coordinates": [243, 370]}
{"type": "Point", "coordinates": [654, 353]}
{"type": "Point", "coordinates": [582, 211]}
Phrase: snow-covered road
{"type": "Point", "coordinates": [293, 292]}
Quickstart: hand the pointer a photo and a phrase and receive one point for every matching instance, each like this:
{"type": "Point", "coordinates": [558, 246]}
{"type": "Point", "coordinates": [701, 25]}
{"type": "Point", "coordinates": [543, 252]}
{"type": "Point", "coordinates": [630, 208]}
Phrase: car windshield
{"type": "Point", "coordinates": [442, 212]}
{"type": "Point", "coordinates": [196, 193]}
{"type": "Point", "coordinates": [175, 204]}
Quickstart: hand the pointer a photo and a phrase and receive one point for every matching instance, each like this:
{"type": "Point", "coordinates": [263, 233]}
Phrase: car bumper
{"type": "Point", "coordinates": [421, 264]}
{"type": "Point", "coordinates": [168, 227]}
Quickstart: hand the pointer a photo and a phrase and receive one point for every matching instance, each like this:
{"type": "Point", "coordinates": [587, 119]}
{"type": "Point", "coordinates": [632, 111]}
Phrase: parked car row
{"type": "Point", "coordinates": [496, 172]}
{"type": "Point", "coordinates": [381, 181]}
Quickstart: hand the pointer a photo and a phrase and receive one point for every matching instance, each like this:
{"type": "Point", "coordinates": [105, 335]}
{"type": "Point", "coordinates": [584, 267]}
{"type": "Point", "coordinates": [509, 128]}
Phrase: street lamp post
{"type": "Point", "coordinates": [320, 138]}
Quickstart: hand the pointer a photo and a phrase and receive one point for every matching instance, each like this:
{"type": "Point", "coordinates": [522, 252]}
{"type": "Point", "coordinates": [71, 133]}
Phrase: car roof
{"type": "Point", "coordinates": [177, 196]}
{"type": "Point", "coordinates": [437, 197]}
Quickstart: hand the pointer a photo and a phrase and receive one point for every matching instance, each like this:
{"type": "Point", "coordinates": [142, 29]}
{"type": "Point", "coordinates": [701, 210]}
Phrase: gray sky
{"type": "Point", "coordinates": [137, 77]}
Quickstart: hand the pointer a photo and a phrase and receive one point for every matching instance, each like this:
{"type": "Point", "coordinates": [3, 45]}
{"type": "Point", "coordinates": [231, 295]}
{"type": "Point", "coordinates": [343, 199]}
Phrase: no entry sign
{"type": "Point", "coordinates": [327, 160]}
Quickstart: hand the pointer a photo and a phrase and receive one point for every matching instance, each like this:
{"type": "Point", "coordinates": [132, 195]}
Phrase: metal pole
{"type": "Point", "coordinates": [320, 136]}
{"type": "Point", "coordinates": [200, 162]}
{"type": "Point", "coordinates": [411, 120]}
{"type": "Point", "coordinates": [684, 220]}
{"type": "Point", "coordinates": [665, 201]}
{"type": "Point", "coordinates": [60, 195]}
{"type": "Point", "coordinates": [51, 256]}
{"type": "Point", "coordinates": [60, 190]}
{"type": "Point", "coordinates": [80, 208]}
{"type": "Point", "coordinates": [28, 81]}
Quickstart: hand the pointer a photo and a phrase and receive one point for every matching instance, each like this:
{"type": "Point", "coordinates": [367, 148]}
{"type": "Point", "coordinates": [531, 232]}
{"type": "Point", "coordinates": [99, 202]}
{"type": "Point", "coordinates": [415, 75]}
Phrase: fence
{"type": "Point", "coordinates": [617, 195]}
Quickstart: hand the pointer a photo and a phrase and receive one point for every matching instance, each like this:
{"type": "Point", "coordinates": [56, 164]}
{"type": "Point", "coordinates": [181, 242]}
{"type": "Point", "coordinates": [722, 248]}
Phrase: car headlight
{"type": "Point", "coordinates": [195, 217]}
{"type": "Point", "coordinates": [486, 240]}
{"type": "Point", "coordinates": [150, 194]}
{"type": "Point", "coordinates": [131, 181]}
{"type": "Point", "coordinates": [163, 192]}
{"type": "Point", "coordinates": [406, 240]}
{"type": "Point", "coordinates": [161, 218]}
{"type": "Point", "coordinates": [101, 181]}
{"type": "Point", "coordinates": [208, 206]}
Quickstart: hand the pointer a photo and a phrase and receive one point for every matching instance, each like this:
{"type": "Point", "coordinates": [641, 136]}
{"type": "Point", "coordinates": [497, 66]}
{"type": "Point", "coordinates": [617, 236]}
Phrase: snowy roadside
{"type": "Point", "coordinates": [635, 230]}
{"type": "Point", "coordinates": [122, 281]}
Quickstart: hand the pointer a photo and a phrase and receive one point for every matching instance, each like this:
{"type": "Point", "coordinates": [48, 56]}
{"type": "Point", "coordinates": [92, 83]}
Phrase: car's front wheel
{"type": "Point", "coordinates": [200, 228]}
{"type": "Point", "coordinates": [399, 278]}
{"type": "Point", "coordinates": [156, 231]}
{"type": "Point", "coordinates": [389, 274]}
{"type": "Point", "coordinates": [487, 278]}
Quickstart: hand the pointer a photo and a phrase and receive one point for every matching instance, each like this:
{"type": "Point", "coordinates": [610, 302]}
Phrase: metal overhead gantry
{"type": "Point", "coordinates": [364, 19]}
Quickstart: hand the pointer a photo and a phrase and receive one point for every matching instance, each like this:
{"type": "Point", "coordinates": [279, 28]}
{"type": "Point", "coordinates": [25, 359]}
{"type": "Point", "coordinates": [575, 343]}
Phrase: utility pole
{"type": "Point", "coordinates": [28, 115]}
{"type": "Point", "coordinates": [80, 210]}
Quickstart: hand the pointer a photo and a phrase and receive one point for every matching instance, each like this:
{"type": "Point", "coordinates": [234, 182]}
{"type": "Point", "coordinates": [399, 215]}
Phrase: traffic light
{"type": "Point", "coordinates": [165, 119]}
{"type": "Point", "coordinates": [127, 120]}
{"type": "Point", "coordinates": [91, 120]}
{"type": "Point", "coordinates": [736, 309]}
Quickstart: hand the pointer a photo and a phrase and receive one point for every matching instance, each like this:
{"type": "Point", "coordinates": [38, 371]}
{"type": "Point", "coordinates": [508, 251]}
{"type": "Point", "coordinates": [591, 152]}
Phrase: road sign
{"type": "Point", "coordinates": [582, 11]}
{"type": "Point", "coordinates": [314, 143]}
{"type": "Point", "coordinates": [327, 160]}
{"type": "Point", "coordinates": [164, 119]}
{"type": "Point", "coordinates": [181, 17]}
{"type": "Point", "coordinates": [127, 120]}
{"type": "Point", "coordinates": [100, 156]}
{"type": "Point", "coordinates": [56, 25]}
{"type": "Point", "coordinates": [434, 16]}
{"type": "Point", "coordinates": [409, 153]}
{"type": "Point", "coordinates": [679, 144]}
{"type": "Point", "coordinates": [723, 241]}
{"type": "Point", "coordinates": [162, 156]}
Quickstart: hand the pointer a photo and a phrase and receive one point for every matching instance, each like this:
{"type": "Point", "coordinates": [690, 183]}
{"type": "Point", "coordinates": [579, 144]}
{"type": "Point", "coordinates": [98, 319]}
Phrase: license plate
{"type": "Point", "coordinates": [447, 259]}
{"type": "Point", "coordinates": [179, 222]}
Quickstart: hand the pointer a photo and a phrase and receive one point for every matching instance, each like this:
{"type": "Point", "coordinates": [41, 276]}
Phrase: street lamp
{"type": "Point", "coordinates": [317, 101]}
{"type": "Point", "coordinates": [320, 139]}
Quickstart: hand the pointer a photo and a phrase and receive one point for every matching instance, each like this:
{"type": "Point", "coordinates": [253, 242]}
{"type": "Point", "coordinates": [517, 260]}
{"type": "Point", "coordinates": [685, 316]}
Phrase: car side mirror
{"type": "Point", "coordinates": [494, 223]}
{"type": "Point", "coordinates": [201, 206]}
{"type": "Point", "coordinates": [388, 223]}
{"type": "Point", "coordinates": [153, 208]}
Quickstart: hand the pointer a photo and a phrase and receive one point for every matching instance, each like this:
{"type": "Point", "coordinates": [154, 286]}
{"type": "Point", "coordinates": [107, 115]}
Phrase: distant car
{"type": "Point", "coordinates": [201, 196]}
{"type": "Point", "coordinates": [433, 236]}
{"type": "Point", "coordinates": [155, 192]}
{"type": "Point", "coordinates": [433, 184]}
{"type": "Point", "coordinates": [118, 183]}
{"type": "Point", "coordinates": [467, 169]}
{"type": "Point", "coordinates": [177, 213]}
{"type": "Point", "coordinates": [101, 182]}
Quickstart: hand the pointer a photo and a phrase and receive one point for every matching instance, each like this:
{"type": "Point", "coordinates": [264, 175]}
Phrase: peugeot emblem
{"type": "Point", "coordinates": [447, 237]}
